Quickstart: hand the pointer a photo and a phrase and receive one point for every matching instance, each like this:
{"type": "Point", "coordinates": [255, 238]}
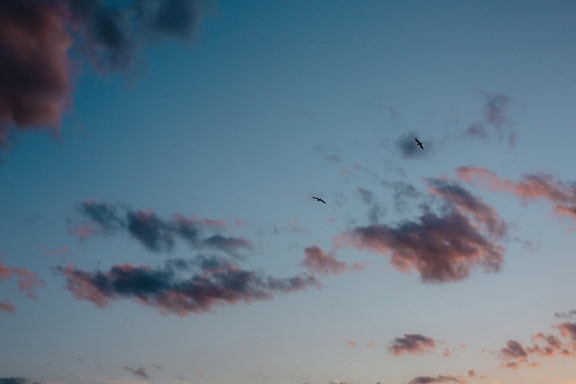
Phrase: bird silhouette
{"type": "Point", "coordinates": [419, 143]}
{"type": "Point", "coordinates": [319, 199]}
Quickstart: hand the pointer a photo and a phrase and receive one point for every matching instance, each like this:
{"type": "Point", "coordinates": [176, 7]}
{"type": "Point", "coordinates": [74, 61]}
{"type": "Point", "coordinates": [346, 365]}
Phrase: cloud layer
{"type": "Point", "coordinates": [210, 282]}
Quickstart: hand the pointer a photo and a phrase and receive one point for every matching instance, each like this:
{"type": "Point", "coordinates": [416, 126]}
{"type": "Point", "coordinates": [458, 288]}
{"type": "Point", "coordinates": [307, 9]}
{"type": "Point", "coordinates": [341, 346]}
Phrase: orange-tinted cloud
{"type": "Point", "coordinates": [412, 344]}
{"type": "Point", "coordinates": [532, 186]}
{"type": "Point", "coordinates": [351, 343]}
{"type": "Point", "coordinates": [181, 287]}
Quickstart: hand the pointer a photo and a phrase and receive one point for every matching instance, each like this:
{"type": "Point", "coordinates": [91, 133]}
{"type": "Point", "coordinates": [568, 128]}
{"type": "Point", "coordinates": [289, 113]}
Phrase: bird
{"type": "Point", "coordinates": [419, 143]}
{"type": "Point", "coordinates": [319, 199]}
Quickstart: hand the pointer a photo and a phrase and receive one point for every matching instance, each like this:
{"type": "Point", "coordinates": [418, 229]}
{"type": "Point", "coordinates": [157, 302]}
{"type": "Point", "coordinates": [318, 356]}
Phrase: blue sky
{"type": "Point", "coordinates": [225, 121]}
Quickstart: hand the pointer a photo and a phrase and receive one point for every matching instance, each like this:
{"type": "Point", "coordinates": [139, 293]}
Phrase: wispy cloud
{"type": "Point", "coordinates": [6, 306]}
{"type": "Point", "coordinates": [442, 247]}
{"type": "Point", "coordinates": [412, 344]}
{"type": "Point", "coordinates": [531, 186]}
{"type": "Point", "coordinates": [210, 282]}
{"type": "Point", "coordinates": [28, 281]}
{"type": "Point", "coordinates": [140, 372]}
{"type": "Point", "coordinates": [35, 86]}
{"type": "Point", "coordinates": [155, 233]}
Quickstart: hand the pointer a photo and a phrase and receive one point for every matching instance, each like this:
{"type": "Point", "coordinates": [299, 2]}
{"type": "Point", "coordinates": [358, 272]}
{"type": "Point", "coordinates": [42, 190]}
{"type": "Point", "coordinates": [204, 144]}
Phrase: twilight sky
{"type": "Point", "coordinates": [158, 161]}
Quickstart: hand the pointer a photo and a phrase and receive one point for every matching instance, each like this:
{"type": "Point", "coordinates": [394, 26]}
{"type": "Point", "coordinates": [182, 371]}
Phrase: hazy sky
{"type": "Point", "coordinates": [157, 170]}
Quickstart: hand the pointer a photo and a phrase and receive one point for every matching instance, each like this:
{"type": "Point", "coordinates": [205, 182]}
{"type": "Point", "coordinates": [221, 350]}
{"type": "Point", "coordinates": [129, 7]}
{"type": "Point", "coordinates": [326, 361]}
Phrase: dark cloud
{"type": "Point", "coordinates": [226, 244]}
{"type": "Point", "coordinates": [409, 149]}
{"type": "Point", "coordinates": [16, 380]}
{"type": "Point", "coordinates": [412, 343]}
{"type": "Point", "coordinates": [35, 37]}
{"type": "Point", "coordinates": [34, 80]}
{"type": "Point", "coordinates": [153, 232]}
{"type": "Point", "coordinates": [106, 216]}
{"type": "Point", "coordinates": [437, 379]}
{"type": "Point", "coordinates": [210, 282]}
{"type": "Point", "coordinates": [495, 120]}
{"type": "Point", "coordinates": [6, 306]}
{"type": "Point", "coordinates": [140, 372]}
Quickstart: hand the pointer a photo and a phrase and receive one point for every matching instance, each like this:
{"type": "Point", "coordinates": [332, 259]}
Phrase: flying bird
{"type": "Point", "coordinates": [319, 199]}
{"type": "Point", "coordinates": [419, 143]}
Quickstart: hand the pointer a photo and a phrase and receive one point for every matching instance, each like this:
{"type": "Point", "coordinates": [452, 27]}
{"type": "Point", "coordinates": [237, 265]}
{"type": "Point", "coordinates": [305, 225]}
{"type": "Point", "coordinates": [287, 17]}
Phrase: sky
{"type": "Point", "coordinates": [158, 165]}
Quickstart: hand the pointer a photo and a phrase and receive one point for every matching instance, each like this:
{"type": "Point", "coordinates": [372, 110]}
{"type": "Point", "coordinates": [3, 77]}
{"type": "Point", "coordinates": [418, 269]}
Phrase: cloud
{"type": "Point", "coordinates": [409, 149]}
{"type": "Point", "coordinates": [34, 79]}
{"type": "Point", "coordinates": [6, 306]}
{"type": "Point", "coordinates": [211, 282]}
{"type": "Point", "coordinates": [515, 355]}
{"type": "Point", "coordinates": [437, 379]}
{"type": "Point", "coordinates": [35, 38]}
{"type": "Point", "coordinates": [351, 343]}
{"type": "Point", "coordinates": [140, 372]}
{"type": "Point", "coordinates": [16, 380]}
{"type": "Point", "coordinates": [494, 121]}
{"type": "Point", "coordinates": [565, 315]}
{"type": "Point", "coordinates": [316, 260]}
{"type": "Point", "coordinates": [153, 232]}
{"type": "Point", "coordinates": [403, 191]}
{"type": "Point", "coordinates": [375, 209]}
{"type": "Point", "coordinates": [532, 186]}
{"type": "Point", "coordinates": [441, 247]}
{"type": "Point", "coordinates": [412, 343]}
{"type": "Point", "coordinates": [469, 204]}
{"type": "Point", "coordinates": [28, 281]}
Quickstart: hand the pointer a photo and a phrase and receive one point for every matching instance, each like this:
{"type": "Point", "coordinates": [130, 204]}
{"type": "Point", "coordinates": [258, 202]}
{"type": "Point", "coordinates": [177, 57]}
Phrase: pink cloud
{"type": "Point", "coordinates": [5, 306]}
{"type": "Point", "coordinates": [351, 343]}
{"type": "Point", "coordinates": [442, 247]}
{"type": "Point", "coordinates": [319, 261]}
{"type": "Point", "coordinates": [532, 186]}
{"type": "Point", "coordinates": [82, 232]}
{"type": "Point", "coordinates": [214, 281]}
{"type": "Point", "coordinates": [28, 282]}
{"type": "Point", "coordinates": [516, 355]}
